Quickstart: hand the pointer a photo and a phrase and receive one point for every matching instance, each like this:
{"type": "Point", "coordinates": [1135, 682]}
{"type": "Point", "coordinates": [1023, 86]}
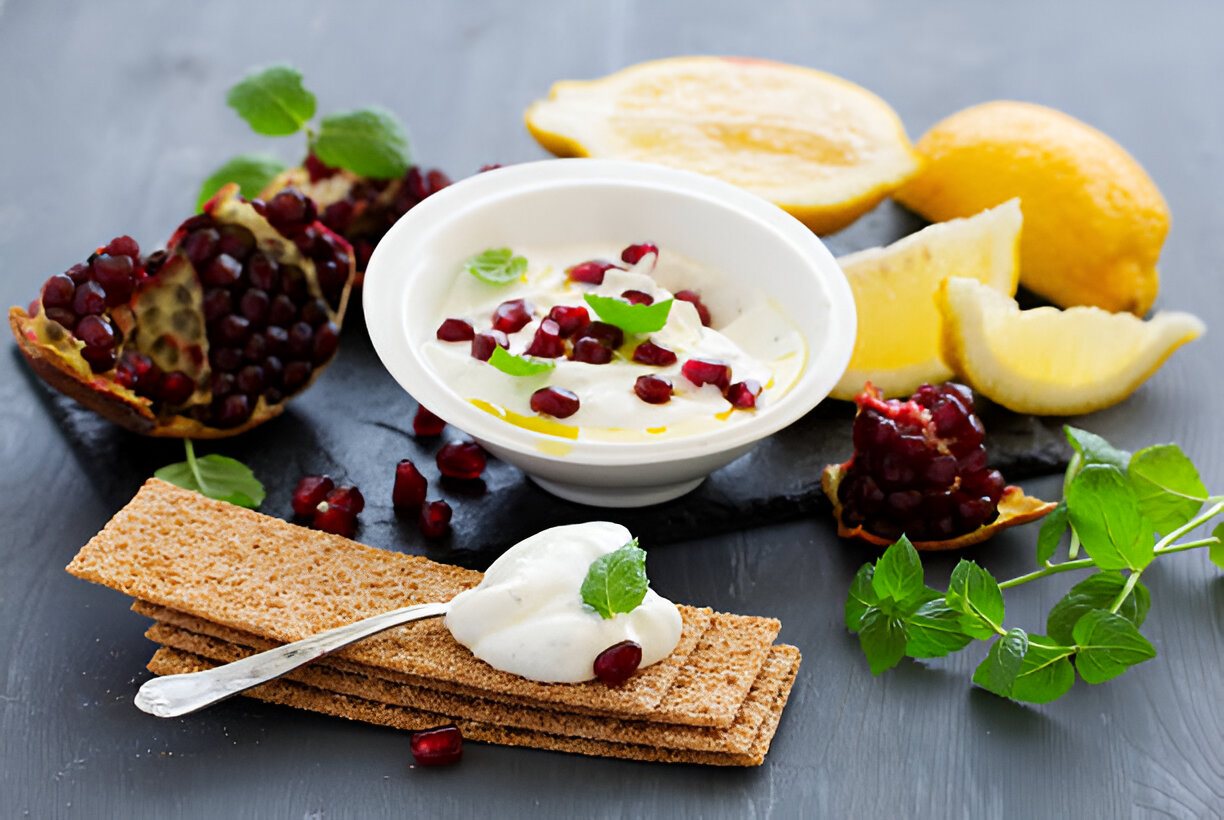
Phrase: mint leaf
{"type": "Point", "coordinates": [497, 266]}
{"type": "Point", "coordinates": [1108, 645]}
{"type": "Point", "coordinates": [219, 477]}
{"type": "Point", "coordinates": [273, 101]}
{"type": "Point", "coordinates": [882, 638]}
{"type": "Point", "coordinates": [934, 631]}
{"type": "Point", "coordinates": [1104, 511]}
{"type": "Point", "coordinates": [998, 672]}
{"type": "Point", "coordinates": [861, 596]}
{"type": "Point", "coordinates": [1216, 550]}
{"type": "Point", "coordinates": [252, 172]}
{"type": "Point", "coordinates": [898, 573]}
{"type": "Point", "coordinates": [1050, 535]}
{"type": "Point", "coordinates": [1169, 489]}
{"type": "Point", "coordinates": [616, 582]}
{"type": "Point", "coordinates": [1045, 673]}
{"type": "Point", "coordinates": [1092, 449]}
{"type": "Point", "coordinates": [1097, 591]}
{"type": "Point", "coordinates": [629, 317]}
{"type": "Point", "coordinates": [370, 142]}
{"type": "Point", "coordinates": [973, 592]}
{"type": "Point", "coordinates": [513, 365]}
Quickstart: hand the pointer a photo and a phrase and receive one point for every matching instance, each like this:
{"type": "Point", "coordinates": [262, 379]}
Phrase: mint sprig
{"type": "Point", "coordinates": [369, 142]}
{"type": "Point", "coordinates": [496, 266]}
{"type": "Point", "coordinates": [631, 318]}
{"type": "Point", "coordinates": [1125, 510]}
{"type": "Point", "coordinates": [215, 476]}
{"type": "Point", "coordinates": [513, 365]}
{"type": "Point", "coordinates": [616, 582]}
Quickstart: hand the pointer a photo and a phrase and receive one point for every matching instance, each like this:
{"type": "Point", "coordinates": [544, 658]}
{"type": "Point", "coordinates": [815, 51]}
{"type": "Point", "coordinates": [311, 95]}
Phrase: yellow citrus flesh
{"type": "Point", "coordinates": [897, 348]}
{"type": "Point", "coordinates": [824, 149]}
{"type": "Point", "coordinates": [1094, 222]}
{"type": "Point", "coordinates": [1049, 361]}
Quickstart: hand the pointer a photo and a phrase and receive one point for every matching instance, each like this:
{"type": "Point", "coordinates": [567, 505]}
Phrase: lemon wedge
{"type": "Point", "coordinates": [897, 348]}
{"type": "Point", "coordinates": [824, 149]}
{"type": "Point", "coordinates": [1049, 361]}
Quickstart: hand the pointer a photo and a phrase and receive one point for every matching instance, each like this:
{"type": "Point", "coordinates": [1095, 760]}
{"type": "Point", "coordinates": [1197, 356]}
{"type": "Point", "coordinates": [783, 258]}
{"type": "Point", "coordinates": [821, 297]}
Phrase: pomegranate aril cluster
{"type": "Point", "coordinates": [919, 466]}
{"type": "Point", "coordinates": [330, 508]}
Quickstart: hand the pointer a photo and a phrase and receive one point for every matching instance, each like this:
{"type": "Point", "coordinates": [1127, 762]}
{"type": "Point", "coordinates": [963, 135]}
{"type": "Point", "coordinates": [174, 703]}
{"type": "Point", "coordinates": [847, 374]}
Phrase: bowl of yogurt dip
{"type": "Point", "coordinates": [616, 330]}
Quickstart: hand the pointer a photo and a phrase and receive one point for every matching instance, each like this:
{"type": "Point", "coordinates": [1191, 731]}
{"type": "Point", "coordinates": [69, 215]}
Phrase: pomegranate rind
{"type": "Point", "coordinates": [1015, 508]}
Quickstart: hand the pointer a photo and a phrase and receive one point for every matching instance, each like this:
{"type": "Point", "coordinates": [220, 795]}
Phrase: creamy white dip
{"type": "Point", "coordinates": [527, 616]}
{"type": "Point", "coordinates": [750, 334]}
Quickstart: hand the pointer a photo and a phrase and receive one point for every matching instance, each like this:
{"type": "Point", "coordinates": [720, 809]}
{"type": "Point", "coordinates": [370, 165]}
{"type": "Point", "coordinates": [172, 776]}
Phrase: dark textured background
{"type": "Point", "coordinates": [114, 112]}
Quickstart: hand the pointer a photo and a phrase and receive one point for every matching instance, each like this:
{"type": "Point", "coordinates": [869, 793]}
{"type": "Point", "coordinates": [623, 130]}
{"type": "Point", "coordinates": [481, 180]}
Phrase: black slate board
{"type": "Point", "coordinates": [355, 423]}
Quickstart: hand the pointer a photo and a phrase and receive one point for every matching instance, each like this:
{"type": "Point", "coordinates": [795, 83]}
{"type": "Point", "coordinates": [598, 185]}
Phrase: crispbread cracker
{"type": "Point", "coordinates": [259, 574]}
{"type": "Point", "coordinates": [170, 661]}
{"type": "Point", "coordinates": [738, 737]}
{"type": "Point", "coordinates": [713, 681]}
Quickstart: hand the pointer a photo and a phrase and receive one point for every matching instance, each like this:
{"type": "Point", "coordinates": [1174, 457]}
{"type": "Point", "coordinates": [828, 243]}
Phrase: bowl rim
{"type": "Point", "coordinates": [383, 297]}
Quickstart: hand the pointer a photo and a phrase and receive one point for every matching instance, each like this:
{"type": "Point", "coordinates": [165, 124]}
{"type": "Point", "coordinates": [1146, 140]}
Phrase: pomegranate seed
{"type": "Point", "coordinates": [410, 485]}
{"type": "Point", "coordinates": [222, 384]}
{"type": "Point", "coordinates": [301, 338]}
{"type": "Point", "coordinates": [254, 305]}
{"type": "Point", "coordinates": [96, 332]}
{"type": "Point", "coordinates": [651, 353]}
{"type": "Point", "coordinates": [461, 459]}
{"type": "Point", "coordinates": [297, 373]}
{"type": "Point", "coordinates": [236, 241]}
{"type": "Point", "coordinates": [743, 394]}
{"type": "Point", "coordinates": [634, 253]}
{"type": "Point", "coordinates": [290, 211]}
{"type": "Point", "coordinates": [455, 330]}
{"type": "Point", "coordinates": [116, 275]}
{"type": "Point", "coordinates": [707, 371]}
{"type": "Point", "coordinates": [250, 379]}
{"type": "Point", "coordinates": [89, 299]}
{"type": "Point", "coordinates": [273, 369]}
{"type": "Point", "coordinates": [232, 329]}
{"type": "Point", "coordinates": [78, 273]}
{"type": "Point", "coordinates": [653, 389]}
{"type": "Point", "coordinates": [136, 371]}
{"type": "Point", "coordinates": [569, 318]}
{"type": "Point", "coordinates": [618, 662]}
{"type": "Point", "coordinates": [225, 358]}
{"type": "Point", "coordinates": [437, 747]}
{"type": "Point", "coordinates": [277, 340]}
{"type": "Point", "coordinates": [435, 519]}
{"type": "Point", "coordinates": [483, 344]}
{"type": "Point", "coordinates": [293, 282]}
{"type": "Point", "coordinates": [345, 497]}
{"type": "Point", "coordinates": [317, 169]}
{"type": "Point", "coordinates": [335, 521]}
{"type": "Point", "coordinates": [58, 291]}
{"type": "Point", "coordinates": [591, 351]}
{"type": "Point", "coordinates": [224, 270]}
{"type": "Point", "coordinates": [554, 401]}
{"type": "Point", "coordinates": [123, 246]}
{"type": "Point", "coordinates": [425, 423]}
{"type": "Point", "coordinates": [338, 215]}
{"type": "Point", "coordinates": [310, 491]}
{"type": "Point", "coordinates": [692, 296]}
{"type": "Point", "coordinates": [609, 336]}
{"type": "Point", "coordinates": [201, 245]}
{"type": "Point", "coordinates": [175, 387]}
{"type": "Point", "coordinates": [511, 316]}
{"type": "Point", "coordinates": [547, 342]}
{"type": "Point", "coordinates": [326, 342]}
{"type": "Point", "coordinates": [591, 272]}
{"type": "Point", "coordinates": [217, 303]}
{"type": "Point", "coordinates": [263, 272]}
{"type": "Point", "coordinates": [64, 316]}
{"type": "Point", "coordinates": [233, 410]}
{"type": "Point", "coordinates": [414, 181]}
{"type": "Point", "coordinates": [100, 359]}
{"type": "Point", "coordinates": [637, 297]}
{"type": "Point", "coordinates": [282, 311]}
{"type": "Point", "coordinates": [436, 180]}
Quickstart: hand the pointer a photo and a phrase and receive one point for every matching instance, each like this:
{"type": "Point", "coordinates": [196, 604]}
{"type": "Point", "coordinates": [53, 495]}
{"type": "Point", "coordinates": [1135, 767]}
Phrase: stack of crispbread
{"type": "Point", "coordinates": [222, 583]}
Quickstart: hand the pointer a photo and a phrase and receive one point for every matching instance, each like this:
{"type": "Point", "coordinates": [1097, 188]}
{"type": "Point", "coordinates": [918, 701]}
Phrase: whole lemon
{"type": "Point", "coordinates": [1094, 221]}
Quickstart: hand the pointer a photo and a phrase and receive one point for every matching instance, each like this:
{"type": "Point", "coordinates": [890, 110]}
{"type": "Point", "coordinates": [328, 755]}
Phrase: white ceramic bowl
{"type": "Point", "coordinates": [583, 200]}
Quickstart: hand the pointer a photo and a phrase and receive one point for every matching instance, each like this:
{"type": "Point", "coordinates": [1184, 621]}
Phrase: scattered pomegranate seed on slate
{"type": "Point", "coordinates": [435, 519]}
{"type": "Point", "coordinates": [410, 485]}
{"type": "Point", "coordinates": [554, 401]}
{"type": "Point", "coordinates": [634, 253]}
{"type": "Point", "coordinates": [653, 389]}
{"type": "Point", "coordinates": [693, 297]}
{"type": "Point", "coordinates": [455, 330]}
{"type": "Point", "coordinates": [707, 371]}
{"type": "Point", "coordinates": [461, 459]}
{"type": "Point", "coordinates": [437, 747]}
{"type": "Point", "coordinates": [310, 491]}
{"type": "Point", "coordinates": [425, 423]}
{"type": "Point", "coordinates": [618, 662]}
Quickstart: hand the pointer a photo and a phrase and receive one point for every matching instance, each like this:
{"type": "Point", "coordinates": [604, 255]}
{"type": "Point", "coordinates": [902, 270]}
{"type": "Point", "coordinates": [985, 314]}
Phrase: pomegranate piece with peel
{"type": "Point", "coordinates": [206, 339]}
{"type": "Point", "coordinates": [919, 469]}
{"type": "Point", "coordinates": [461, 459]}
{"type": "Point", "coordinates": [618, 662]}
{"type": "Point", "coordinates": [441, 746]}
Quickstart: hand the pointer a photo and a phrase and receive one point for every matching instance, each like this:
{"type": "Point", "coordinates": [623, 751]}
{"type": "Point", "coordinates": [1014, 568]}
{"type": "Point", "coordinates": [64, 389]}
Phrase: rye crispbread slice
{"type": "Point", "coordinates": [713, 680]}
{"type": "Point", "coordinates": [259, 574]}
{"type": "Point", "coordinates": [171, 661]}
{"type": "Point", "coordinates": [738, 737]}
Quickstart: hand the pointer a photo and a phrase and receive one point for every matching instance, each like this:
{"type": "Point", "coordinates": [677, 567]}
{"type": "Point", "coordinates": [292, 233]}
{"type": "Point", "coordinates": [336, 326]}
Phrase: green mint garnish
{"type": "Point", "coordinates": [252, 172]}
{"type": "Point", "coordinates": [513, 365]}
{"type": "Point", "coordinates": [496, 266]}
{"type": "Point", "coordinates": [629, 317]}
{"type": "Point", "coordinates": [1125, 510]}
{"type": "Point", "coordinates": [219, 477]}
{"type": "Point", "coordinates": [616, 582]}
{"type": "Point", "coordinates": [370, 142]}
{"type": "Point", "coordinates": [273, 101]}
